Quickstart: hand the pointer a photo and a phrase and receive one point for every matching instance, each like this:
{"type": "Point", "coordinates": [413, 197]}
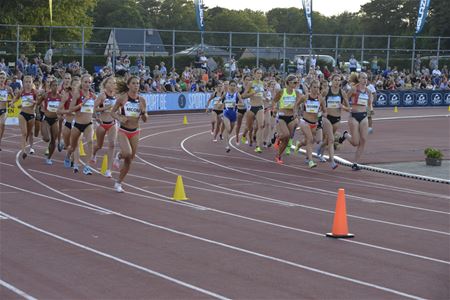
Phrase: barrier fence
{"type": "Point", "coordinates": [90, 45]}
{"type": "Point", "coordinates": [173, 102]}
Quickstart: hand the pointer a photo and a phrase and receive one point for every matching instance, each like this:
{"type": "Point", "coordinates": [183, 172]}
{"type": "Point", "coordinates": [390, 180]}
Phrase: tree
{"type": "Point", "coordinates": [36, 12]}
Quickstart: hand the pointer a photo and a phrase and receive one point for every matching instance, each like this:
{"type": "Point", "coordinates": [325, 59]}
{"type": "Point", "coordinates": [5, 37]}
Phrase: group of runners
{"type": "Point", "coordinates": [63, 112]}
{"type": "Point", "coordinates": [274, 113]}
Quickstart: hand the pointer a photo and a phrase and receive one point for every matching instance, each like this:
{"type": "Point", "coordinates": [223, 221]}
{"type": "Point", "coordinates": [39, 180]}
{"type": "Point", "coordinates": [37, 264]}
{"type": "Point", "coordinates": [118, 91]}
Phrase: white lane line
{"type": "Point", "coordinates": [117, 259]}
{"type": "Point", "coordinates": [380, 186]}
{"type": "Point", "coordinates": [307, 189]}
{"type": "Point", "coordinates": [6, 164]}
{"type": "Point", "coordinates": [339, 179]}
{"type": "Point", "coordinates": [253, 219]}
{"type": "Point", "coordinates": [161, 198]}
{"type": "Point", "coordinates": [52, 189]}
{"type": "Point", "coordinates": [16, 290]}
{"type": "Point", "coordinates": [238, 249]}
{"type": "Point", "coordinates": [101, 211]}
{"type": "Point", "coordinates": [324, 192]}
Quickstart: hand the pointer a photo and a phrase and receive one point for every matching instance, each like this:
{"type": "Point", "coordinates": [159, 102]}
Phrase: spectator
{"type": "Point", "coordinates": [246, 71]}
{"type": "Point", "coordinates": [163, 69]}
{"type": "Point", "coordinates": [20, 66]}
{"type": "Point", "coordinates": [3, 66]}
{"type": "Point", "coordinates": [352, 64]}
{"type": "Point", "coordinates": [313, 61]}
{"type": "Point", "coordinates": [374, 65]}
{"type": "Point", "coordinates": [109, 61]}
{"type": "Point", "coordinates": [301, 65]}
{"type": "Point", "coordinates": [48, 56]}
{"type": "Point", "coordinates": [156, 72]}
{"type": "Point", "coordinates": [233, 68]}
{"type": "Point", "coordinates": [417, 63]}
{"type": "Point", "coordinates": [15, 83]}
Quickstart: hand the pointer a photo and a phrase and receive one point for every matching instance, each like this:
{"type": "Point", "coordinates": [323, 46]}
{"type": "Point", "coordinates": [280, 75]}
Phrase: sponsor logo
{"type": "Point", "coordinates": [447, 98]}
{"type": "Point", "coordinates": [381, 100]}
{"type": "Point", "coordinates": [436, 99]}
{"type": "Point", "coordinates": [421, 17]}
{"type": "Point", "coordinates": [394, 99]}
{"type": "Point", "coordinates": [422, 99]}
{"type": "Point", "coordinates": [408, 99]}
{"type": "Point", "coordinates": [181, 101]}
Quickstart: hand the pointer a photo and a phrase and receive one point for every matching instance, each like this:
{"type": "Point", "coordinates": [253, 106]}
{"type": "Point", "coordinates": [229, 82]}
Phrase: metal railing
{"type": "Point", "coordinates": [94, 43]}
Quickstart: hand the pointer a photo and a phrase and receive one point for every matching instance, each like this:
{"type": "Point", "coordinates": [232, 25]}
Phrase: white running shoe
{"type": "Point", "coordinates": [370, 130]}
{"type": "Point", "coordinates": [48, 162]}
{"type": "Point", "coordinates": [322, 159]}
{"type": "Point", "coordinates": [108, 174]}
{"type": "Point", "coordinates": [118, 187]}
{"type": "Point", "coordinates": [31, 151]}
{"type": "Point", "coordinates": [94, 159]}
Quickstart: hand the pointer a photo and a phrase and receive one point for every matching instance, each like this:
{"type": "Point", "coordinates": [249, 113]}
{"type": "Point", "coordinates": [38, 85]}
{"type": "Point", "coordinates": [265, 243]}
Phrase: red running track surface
{"type": "Point", "coordinates": [252, 229]}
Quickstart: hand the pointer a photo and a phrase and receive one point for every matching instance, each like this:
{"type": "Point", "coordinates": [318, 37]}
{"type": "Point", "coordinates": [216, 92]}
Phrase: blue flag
{"type": "Point", "coordinates": [423, 12]}
{"type": "Point", "coordinates": [199, 14]}
{"type": "Point", "coordinates": [307, 8]}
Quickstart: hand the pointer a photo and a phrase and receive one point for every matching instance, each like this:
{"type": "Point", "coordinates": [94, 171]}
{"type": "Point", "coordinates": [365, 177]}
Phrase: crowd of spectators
{"type": "Point", "coordinates": [198, 77]}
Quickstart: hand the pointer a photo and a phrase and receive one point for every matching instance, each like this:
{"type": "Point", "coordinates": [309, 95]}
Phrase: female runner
{"type": "Point", "coordinates": [361, 98]}
{"type": "Point", "coordinates": [255, 91]}
{"type": "Point", "coordinates": [288, 100]}
{"type": "Point", "coordinates": [5, 93]}
{"type": "Point", "coordinates": [128, 110]}
{"type": "Point", "coordinates": [26, 116]}
{"type": "Point", "coordinates": [103, 105]}
{"type": "Point", "coordinates": [230, 100]}
{"type": "Point", "coordinates": [83, 105]}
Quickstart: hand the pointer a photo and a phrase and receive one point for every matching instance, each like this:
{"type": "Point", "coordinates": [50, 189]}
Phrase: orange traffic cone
{"type": "Point", "coordinates": [340, 226]}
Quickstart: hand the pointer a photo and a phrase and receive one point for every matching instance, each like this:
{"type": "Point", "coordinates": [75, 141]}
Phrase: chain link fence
{"type": "Point", "coordinates": [91, 45]}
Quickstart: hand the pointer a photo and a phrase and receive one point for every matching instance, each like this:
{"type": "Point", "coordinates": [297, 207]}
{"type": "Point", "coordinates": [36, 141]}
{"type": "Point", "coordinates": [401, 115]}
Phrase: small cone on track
{"type": "Point", "coordinates": [340, 226]}
{"type": "Point", "coordinates": [178, 193]}
{"type": "Point", "coordinates": [185, 121]}
{"type": "Point", "coordinates": [395, 109]}
{"type": "Point", "coordinates": [94, 138]}
{"type": "Point", "coordinates": [449, 108]}
{"type": "Point", "coordinates": [104, 164]}
{"type": "Point", "coordinates": [81, 149]}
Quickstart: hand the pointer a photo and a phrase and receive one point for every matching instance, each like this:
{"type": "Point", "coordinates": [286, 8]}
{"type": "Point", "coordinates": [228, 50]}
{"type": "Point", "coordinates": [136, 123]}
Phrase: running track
{"type": "Point", "coordinates": [251, 230]}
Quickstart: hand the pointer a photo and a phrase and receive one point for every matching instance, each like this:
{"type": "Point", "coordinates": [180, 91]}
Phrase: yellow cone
{"type": "Point", "coordinates": [178, 193]}
{"type": "Point", "coordinates": [185, 121]}
{"type": "Point", "coordinates": [104, 164]}
{"type": "Point", "coordinates": [81, 149]}
{"type": "Point", "coordinates": [395, 109]}
{"type": "Point", "coordinates": [449, 108]}
{"type": "Point", "coordinates": [95, 137]}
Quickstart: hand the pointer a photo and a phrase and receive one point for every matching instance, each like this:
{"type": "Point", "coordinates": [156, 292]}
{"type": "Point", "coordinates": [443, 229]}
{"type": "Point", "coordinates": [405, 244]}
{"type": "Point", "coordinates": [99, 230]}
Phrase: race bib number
{"type": "Point", "coordinates": [88, 106]}
{"type": "Point", "coordinates": [27, 101]}
{"type": "Point", "coordinates": [334, 102]}
{"type": "Point", "coordinates": [132, 109]}
{"type": "Point", "coordinates": [363, 99]}
{"type": "Point", "coordinates": [3, 96]}
{"type": "Point", "coordinates": [109, 104]}
{"type": "Point", "coordinates": [312, 106]}
{"type": "Point", "coordinates": [53, 106]}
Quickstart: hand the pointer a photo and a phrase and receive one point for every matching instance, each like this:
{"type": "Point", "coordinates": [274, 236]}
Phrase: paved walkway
{"type": "Point", "coordinates": [419, 168]}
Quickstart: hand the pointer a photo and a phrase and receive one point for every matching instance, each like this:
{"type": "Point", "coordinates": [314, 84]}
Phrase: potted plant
{"type": "Point", "coordinates": [433, 157]}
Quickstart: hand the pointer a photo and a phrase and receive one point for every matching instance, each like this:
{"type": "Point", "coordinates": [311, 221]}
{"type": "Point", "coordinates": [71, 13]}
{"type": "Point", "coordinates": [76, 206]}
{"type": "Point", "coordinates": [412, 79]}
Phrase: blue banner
{"type": "Point", "coordinates": [199, 14]}
{"type": "Point", "coordinates": [412, 98]}
{"type": "Point", "coordinates": [307, 9]}
{"type": "Point", "coordinates": [176, 101]}
{"type": "Point", "coordinates": [423, 12]}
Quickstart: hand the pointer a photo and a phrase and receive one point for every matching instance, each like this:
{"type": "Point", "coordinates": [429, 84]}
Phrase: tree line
{"type": "Point", "coordinates": [377, 17]}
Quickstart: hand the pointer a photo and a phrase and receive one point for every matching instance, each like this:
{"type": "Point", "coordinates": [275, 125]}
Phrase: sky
{"type": "Point", "coordinates": [325, 7]}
